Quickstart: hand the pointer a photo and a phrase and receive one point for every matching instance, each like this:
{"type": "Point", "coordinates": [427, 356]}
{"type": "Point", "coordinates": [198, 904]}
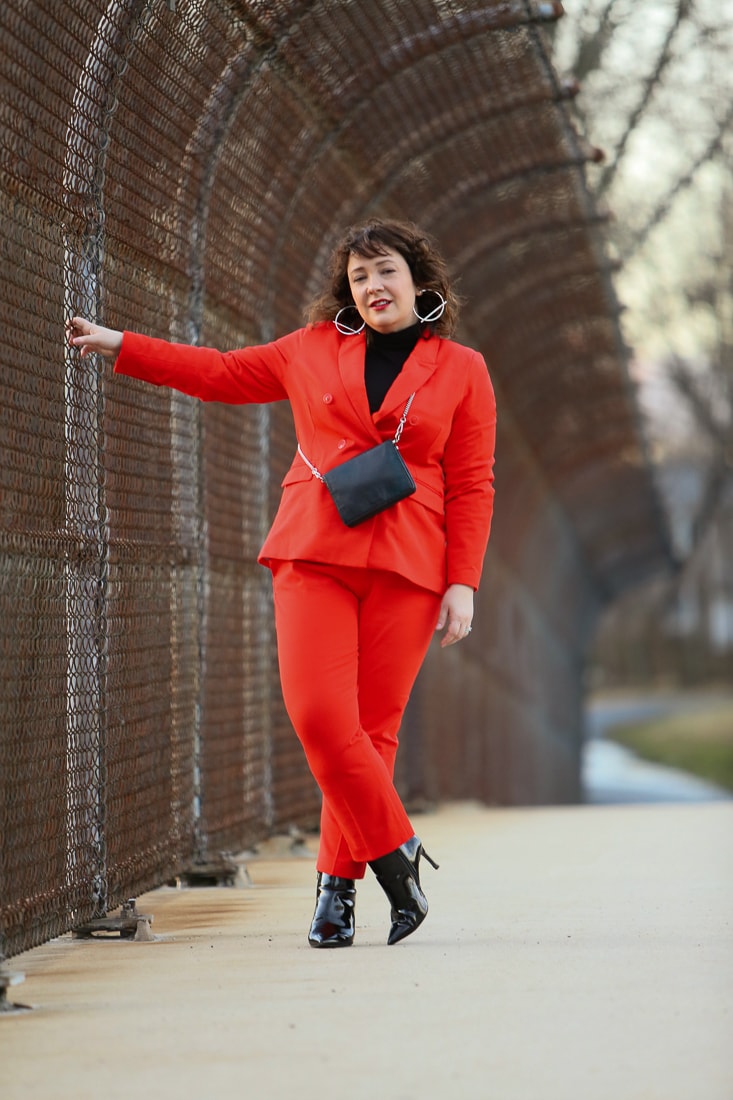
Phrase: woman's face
{"type": "Point", "coordinates": [383, 290]}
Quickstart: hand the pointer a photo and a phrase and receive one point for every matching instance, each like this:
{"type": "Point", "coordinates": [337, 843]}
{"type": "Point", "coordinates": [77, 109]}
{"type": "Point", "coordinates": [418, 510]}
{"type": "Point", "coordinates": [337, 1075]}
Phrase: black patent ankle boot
{"type": "Point", "coordinates": [398, 873]}
{"type": "Point", "coordinates": [333, 920]}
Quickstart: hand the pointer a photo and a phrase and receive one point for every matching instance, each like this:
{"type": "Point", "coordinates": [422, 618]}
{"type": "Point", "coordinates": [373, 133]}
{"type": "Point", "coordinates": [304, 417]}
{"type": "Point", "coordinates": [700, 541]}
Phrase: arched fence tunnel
{"type": "Point", "coordinates": [183, 168]}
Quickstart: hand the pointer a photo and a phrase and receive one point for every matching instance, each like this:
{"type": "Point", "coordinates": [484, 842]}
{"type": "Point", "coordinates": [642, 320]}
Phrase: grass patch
{"type": "Point", "coordinates": [700, 742]}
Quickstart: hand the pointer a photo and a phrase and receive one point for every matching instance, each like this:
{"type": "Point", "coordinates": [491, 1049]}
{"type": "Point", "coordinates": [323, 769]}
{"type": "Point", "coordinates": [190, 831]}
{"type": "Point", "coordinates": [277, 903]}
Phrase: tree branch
{"type": "Point", "coordinates": [719, 473]}
{"type": "Point", "coordinates": [684, 7]}
{"type": "Point", "coordinates": [716, 486]}
{"type": "Point", "coordinates": [685, 181]}
{"type": "Point", "coordinates": [687, 385]}
{"type": "Point", "coordinates": [592, 47]}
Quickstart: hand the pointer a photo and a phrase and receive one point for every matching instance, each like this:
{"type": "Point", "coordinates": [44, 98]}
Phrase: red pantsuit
{"type": "Point", "coordinates": [356, 607]}
{"type": "Point", "coordinates": [350, 644]}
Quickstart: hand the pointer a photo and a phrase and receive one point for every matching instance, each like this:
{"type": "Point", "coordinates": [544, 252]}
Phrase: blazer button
{"type": "Point", "coordinates": [327, 398]}
{"type": "Point", "coordinates": [341, 444]}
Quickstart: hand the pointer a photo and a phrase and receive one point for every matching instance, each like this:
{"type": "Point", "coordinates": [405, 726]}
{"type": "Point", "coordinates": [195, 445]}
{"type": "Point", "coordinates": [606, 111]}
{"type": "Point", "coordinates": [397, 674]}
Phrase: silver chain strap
{"type": "Point", "coordinates": [403, 418]}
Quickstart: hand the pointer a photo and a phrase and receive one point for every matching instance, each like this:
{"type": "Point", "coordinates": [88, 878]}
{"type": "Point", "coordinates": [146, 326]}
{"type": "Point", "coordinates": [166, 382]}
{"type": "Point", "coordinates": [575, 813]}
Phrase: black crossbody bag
{"type": "Point", "coordinates": [370, 482]}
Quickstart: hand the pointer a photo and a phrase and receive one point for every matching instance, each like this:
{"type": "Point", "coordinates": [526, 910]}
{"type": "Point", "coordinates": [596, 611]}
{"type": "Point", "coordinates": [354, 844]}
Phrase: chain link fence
{"type": "Point", "coordinates": [183, 168]}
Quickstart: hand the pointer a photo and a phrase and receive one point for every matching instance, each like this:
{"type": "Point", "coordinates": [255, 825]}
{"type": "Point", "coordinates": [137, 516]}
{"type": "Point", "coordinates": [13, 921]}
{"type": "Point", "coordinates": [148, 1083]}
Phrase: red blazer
{"type": "Point", "coordinates": [435, 537]}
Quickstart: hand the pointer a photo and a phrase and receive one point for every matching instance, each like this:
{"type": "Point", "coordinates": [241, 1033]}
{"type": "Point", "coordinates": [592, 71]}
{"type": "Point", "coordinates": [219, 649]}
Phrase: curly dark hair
{"type": "Point", "coordinates": [374, 238]}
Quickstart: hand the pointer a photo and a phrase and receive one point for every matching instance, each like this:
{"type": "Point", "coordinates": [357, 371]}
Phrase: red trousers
{"type": "Point", "coordinates": [350, 644]}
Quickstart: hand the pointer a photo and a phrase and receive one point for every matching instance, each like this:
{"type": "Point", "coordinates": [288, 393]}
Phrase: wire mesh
{"type": "Point", "coordinates": [183, 168]}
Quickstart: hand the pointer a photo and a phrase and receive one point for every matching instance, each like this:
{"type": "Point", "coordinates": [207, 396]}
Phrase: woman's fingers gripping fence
{"type": "Point", "coordinates": [89, 338]}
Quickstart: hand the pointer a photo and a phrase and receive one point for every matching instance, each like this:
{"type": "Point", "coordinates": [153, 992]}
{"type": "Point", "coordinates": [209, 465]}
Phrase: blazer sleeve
{"type": "Point", "coordinates": [249, 375]}
{"type": "Point", "coordinates": [468, 466]}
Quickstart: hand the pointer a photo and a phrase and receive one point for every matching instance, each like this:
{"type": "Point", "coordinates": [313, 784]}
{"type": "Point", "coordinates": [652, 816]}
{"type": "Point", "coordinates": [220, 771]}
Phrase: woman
{"type": "Point", "coordinates": [356, 607]}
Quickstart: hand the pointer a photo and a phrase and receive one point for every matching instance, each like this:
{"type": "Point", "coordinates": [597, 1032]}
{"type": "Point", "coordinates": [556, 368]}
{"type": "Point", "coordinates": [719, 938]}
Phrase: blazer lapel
{"type": "Point", "coordinates": [419, 366]}
{"type": "Point", "coordinates": [351, 369]}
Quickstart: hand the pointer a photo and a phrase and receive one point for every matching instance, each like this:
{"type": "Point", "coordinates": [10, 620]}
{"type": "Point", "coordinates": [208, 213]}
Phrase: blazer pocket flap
{"type": "Point", "coordinates": [297, 472]}
{"type": "Point", "coordinates": [425, 494]}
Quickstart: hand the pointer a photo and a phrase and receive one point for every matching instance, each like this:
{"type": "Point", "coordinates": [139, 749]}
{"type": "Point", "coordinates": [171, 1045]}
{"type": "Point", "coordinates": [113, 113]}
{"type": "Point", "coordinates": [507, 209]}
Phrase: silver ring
{"type": "Point", "coordinates": [468, 630]}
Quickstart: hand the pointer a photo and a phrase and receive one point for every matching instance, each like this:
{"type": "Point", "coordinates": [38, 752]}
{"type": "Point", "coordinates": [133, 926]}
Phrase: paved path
{"type": "Point", "coordinates": [580, 953]}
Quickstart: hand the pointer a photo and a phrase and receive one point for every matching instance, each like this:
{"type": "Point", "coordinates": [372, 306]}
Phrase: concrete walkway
{"type": "Point", "coordinates": [580, 953]}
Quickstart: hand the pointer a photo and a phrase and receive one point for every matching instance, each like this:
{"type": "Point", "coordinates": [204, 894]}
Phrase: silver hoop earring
{"type": "Point", "coordinates": [344, 329]}
{"type": "Point", "coordinates": [435, 314]}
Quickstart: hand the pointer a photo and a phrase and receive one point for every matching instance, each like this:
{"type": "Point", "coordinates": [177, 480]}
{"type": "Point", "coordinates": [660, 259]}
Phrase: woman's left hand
{"type": "Point", "coordinates": [456, 613]}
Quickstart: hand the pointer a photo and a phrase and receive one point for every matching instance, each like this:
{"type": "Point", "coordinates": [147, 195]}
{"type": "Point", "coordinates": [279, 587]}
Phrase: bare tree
{"type": "Point", "coordinates": [656, 80]}
{"type": "Point", "coordinates": [656, 85]}
{"type": "Point", "coordinates": [657, 95]}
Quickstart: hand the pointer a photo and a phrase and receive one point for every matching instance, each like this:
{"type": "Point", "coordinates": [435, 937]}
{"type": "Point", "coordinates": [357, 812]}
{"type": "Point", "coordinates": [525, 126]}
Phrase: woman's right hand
{"type": "Point", "coordinates": [89, 338]}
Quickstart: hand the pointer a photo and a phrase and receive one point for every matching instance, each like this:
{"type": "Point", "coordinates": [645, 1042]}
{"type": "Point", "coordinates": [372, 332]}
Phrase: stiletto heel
{"type": "Point", "coordinates": [430, 860]}
{"type": "Point", "coordinates": [398, 873]}
{"type": "Point", "coordinates": [333, 923]}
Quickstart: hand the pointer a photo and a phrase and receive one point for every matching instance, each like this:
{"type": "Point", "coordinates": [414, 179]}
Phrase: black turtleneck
{"type": "Point", "coordinates": [385, 357]}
